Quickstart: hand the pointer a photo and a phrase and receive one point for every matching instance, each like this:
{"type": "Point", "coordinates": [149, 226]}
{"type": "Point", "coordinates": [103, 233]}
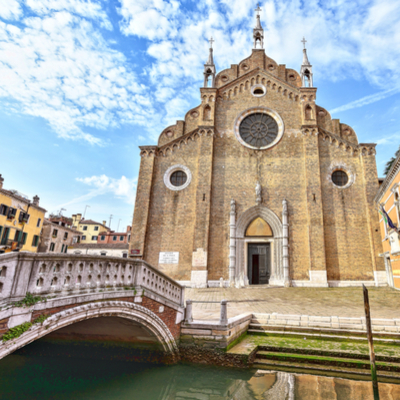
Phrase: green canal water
{"type": "Point", "coordinates": [42, 372]}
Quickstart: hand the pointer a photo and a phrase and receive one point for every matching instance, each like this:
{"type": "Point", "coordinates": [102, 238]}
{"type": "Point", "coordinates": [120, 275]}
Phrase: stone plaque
{"type": "Point", "coordinates": [199, 258]}
{"type": "Point", "coordinates": [169, 257]}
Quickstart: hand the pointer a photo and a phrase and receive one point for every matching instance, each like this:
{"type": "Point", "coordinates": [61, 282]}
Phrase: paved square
{"type": "Point", "coordinates": [341, 302]}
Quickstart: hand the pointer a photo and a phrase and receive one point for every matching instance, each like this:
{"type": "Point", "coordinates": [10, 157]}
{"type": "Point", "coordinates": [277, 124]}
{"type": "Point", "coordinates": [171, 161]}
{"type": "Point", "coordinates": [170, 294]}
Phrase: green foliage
{"type": "Point", "coordinates": [29, 300]}
{"type": "Point", "coordinates": [131, 288]}
{"type": "Point", "coordinates": [17, 331]}
{"type": "Point", "coordinates": [391, 161]}
{"type": "Point", "coordinates": [41, 318]}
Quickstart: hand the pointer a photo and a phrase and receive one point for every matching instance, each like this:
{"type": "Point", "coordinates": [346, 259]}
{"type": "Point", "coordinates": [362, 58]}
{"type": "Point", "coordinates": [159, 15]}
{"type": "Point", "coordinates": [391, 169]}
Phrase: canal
{"type": "Point", "coordinates": [44, 370]}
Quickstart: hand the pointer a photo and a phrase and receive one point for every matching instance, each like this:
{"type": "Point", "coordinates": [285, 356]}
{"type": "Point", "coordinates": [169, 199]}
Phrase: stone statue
{"type": "Point", "coordinates": [233, 206]}
{"type": "Point", "coordinates": [284, 206]}
{"type": "Point", "coordinates": [258, 193]}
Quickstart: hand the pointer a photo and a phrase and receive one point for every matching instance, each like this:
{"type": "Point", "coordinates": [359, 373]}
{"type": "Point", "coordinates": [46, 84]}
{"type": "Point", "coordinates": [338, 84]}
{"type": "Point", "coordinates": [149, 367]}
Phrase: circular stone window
{"type": "Point", "coordinates": [177, 177]}
{"type": "Point", "coordinates": [258, 90]}
{"type": "Point", "coordinates": [259, 128]}
{"type": "Point", "coordinates": [340, 178]}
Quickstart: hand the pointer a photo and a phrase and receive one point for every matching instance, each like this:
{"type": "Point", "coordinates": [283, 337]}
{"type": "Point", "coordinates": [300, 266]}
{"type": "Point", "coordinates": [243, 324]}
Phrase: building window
{"type": "Point", "coordinates": [62, 249]}
{"type": "Point", "coordinates": [85, 228]}
{"type": "Point", "coordinates": [340, 178]}
{"type": "Point", "coordinates": [94, 237]}
{"type": "Point", "coordinates": [55, 232]}
{"type": "Point", "coordinates": [65, 235]}
{"type": "Point", "coordinates": [178, 178]}
{"type": "Point", "coordinates": [114, 238]}
{"type": "Point", "coordinates": [1, 230]}
{"type": "Point", "coordinates": [3, 209]}
{"type": "Point", "coordinates": [35, 241]}
{"type": "Point", "coordinates": [103, 237]}
{"type": "Point", "coordinates": [125, 255]}
{"type": "Point", "coordinates": [83, 237]}
{"type": "Point", "coordinates": [24, 237]}
{"type": "Point", "coordinates": [11, 213]}
{"type": "Point", "coordinates": [66, 248]}
{"type": "Point", "coordinates": [52, 245]}
{"type": "Point", "coordinates": [121, 238]}
{"type": "Point", "coordinates": [96, 228]}
{"type": "Point", "coordinates": [38, 222]}
{"type": "Point", "coordinates": [23, 217]}
{"type": "Point", "coordinates": [103, 253]}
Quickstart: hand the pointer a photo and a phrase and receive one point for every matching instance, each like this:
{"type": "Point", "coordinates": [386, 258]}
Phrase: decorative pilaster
{"type": "Point", "coordinates": [232, 244]}
{"type": "Point", "coordinates": [285, 244]}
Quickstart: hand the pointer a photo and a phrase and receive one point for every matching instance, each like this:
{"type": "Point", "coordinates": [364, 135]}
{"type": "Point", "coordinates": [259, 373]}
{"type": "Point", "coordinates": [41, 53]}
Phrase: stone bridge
{"type": "Point", "coordinates": [59, 292]}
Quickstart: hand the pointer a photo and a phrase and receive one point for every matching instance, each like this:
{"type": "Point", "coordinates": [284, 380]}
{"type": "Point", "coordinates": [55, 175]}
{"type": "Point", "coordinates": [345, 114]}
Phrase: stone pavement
{"type": "Point", "coordinates": [341, 302]}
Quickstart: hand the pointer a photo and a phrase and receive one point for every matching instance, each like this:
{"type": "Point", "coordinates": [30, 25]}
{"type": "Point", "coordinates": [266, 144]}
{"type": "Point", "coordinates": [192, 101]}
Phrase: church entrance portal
{"type": "Point", "coordinates": [259, 263]}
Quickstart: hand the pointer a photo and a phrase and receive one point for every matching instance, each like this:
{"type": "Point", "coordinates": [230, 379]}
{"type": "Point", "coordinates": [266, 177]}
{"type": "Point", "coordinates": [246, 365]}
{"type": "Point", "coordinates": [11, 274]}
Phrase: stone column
{"type": "Point", "coordinates": [189, 311]}
{"type": "Point", "coordinates": [232, 244]}
{"type": "Point", "coordinates": [285, 244]}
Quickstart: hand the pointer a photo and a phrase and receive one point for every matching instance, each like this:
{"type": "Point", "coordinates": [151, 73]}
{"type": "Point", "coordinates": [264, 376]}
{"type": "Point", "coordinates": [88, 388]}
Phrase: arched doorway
{"type": "Point", "coordinates": [256, 220]}
{"type": "Point", "coordinates": [259, 240]}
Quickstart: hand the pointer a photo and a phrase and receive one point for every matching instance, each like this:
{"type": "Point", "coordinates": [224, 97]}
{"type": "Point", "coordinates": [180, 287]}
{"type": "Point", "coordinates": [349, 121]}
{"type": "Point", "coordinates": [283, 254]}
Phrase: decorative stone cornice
{"type": "Point", "coordinates": [363, 149]}
{"type": "Point", "coordinates": [176, 144]}
{"type": "Point", "coordinates": [243, 83]}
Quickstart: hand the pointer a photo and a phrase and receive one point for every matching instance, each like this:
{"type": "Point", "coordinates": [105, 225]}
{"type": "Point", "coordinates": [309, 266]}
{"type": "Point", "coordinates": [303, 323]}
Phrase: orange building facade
{"type": "Point", "coordinates": [388, 197]}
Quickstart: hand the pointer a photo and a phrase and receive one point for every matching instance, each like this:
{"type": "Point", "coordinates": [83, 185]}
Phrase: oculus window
{"type": "Point", "coordinates": [178, 178]}
{"type": "Point", "coordinates": [340, 178]}
{"type": "Point", "coordinates": [258, 130]}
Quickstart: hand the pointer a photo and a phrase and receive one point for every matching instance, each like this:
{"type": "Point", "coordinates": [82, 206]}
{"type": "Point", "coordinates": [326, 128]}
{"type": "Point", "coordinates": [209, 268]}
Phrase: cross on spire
{"type": "Point", "coordinates": [304, 41]}
{"type": "Point", "coordinates": [211, 41]}
{"type": "Point", "coordinates": [258, 9]}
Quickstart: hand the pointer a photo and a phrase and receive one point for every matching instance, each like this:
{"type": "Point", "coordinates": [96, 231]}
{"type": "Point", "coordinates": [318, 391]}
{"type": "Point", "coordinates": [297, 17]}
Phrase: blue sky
{"type": "Point", "coordinates": [84, 83]}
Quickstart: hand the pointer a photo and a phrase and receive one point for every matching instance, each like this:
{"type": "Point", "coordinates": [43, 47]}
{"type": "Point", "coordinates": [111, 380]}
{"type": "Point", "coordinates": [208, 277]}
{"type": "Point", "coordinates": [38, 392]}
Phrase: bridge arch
{"type": "Point", "coordinates": [122, 309]}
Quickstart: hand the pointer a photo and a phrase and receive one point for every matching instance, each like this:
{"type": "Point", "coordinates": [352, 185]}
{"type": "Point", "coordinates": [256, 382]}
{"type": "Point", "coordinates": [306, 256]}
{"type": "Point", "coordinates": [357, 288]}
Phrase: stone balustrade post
{"type": "Point", "coordinates": [189, 312]}
{"type": "Point", "coordinates": [223, 320]}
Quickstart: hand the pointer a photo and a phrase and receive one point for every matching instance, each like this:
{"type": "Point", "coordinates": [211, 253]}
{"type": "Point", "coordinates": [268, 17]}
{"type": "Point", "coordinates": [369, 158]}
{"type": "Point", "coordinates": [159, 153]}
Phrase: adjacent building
{"type": "Point", "coordinates": [90, 229]}
{"type": "Point", "coordinates": [388, 203]}
{"type": "Point", "coordinates": [57, 236]}
{"type": "Point", "coordinates": [259, 185]}
{"type": "Point", "coordinates": [112, 237]}
{"type": "Point", "coordinates": [21, 221]}
{"type": "Point", "coordinates": [101, 249]}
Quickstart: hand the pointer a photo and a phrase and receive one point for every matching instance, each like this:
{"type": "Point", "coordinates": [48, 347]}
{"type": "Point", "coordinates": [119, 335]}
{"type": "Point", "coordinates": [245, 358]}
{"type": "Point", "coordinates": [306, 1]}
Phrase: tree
{"type": "Point", "coordinates": [391, 161]}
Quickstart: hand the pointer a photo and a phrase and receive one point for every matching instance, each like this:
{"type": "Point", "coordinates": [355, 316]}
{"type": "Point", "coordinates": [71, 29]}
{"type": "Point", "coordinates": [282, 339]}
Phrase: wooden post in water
{"type": "Point", "coordinates": [371, 345]}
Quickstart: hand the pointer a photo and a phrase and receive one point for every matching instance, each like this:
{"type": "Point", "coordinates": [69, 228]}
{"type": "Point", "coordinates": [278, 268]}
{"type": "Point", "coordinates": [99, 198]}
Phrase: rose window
{"type": "Point", "coordinates": [258, 130]}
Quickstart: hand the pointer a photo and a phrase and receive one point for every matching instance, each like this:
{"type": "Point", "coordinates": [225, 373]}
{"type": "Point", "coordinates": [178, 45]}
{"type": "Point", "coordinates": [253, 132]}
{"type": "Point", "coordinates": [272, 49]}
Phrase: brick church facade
{"type": "Point", "coordinates": [258, 184]}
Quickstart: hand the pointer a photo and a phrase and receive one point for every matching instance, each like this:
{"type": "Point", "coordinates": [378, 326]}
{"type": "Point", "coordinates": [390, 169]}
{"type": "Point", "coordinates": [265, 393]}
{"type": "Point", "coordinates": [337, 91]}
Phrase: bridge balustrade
{"type": "Point", "coordinates": [71, 274]}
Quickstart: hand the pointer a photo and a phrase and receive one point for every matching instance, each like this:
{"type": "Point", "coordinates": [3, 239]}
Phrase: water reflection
{"type": "Point", "coordinates": [32, 374]}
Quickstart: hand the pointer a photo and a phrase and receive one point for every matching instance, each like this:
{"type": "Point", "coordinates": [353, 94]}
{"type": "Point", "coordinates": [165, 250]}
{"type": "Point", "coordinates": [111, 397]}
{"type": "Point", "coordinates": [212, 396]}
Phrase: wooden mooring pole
{"type": "Point", "coordinates": [371, 344]}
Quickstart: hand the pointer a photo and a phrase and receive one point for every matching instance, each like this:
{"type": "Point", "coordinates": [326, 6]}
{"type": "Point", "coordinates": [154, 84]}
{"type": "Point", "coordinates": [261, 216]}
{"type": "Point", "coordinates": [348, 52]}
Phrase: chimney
{"type": "Point", "coordinates": [128, 228]}
{"type": "Point", "coordinates": [104, 223]}
{"type": "Point", "coordinates": [78, 217]}
{"type": "Point", "coordinates": [36, 200]}
{"type": "Point", "coordinates": [1, 182]}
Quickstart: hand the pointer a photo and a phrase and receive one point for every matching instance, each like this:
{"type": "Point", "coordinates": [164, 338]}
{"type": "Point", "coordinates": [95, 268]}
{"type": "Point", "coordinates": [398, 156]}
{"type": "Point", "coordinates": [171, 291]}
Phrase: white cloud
{"type": "Point", "coordinates": [58, 66]}
{"type": "Point", "coordinates": [10, 9]}
{"type": "Point", "coordinates": [392, 139]}
{"type": "Point", "coordinates": [123, 188]}
{"type": "Point", "coordinates": [366, 100]}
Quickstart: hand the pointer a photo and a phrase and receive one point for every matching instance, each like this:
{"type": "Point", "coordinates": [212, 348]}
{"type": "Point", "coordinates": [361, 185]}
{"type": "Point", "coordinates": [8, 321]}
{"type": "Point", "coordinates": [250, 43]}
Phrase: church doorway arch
{"type": "Point", "coordinates": [259, 257]}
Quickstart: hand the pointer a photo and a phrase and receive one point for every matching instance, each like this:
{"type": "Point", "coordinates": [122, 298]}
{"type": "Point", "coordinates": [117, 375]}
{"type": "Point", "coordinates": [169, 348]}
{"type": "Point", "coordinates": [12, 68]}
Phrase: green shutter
{"type": "Point", "coordinates": [24, 237]}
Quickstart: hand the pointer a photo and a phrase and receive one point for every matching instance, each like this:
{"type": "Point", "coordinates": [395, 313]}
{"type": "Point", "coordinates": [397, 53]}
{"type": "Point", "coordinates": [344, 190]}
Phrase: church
{"type": "Point", "coordinates": [259, 185]}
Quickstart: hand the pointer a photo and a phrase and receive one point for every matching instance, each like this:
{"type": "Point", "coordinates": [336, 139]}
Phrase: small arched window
{"type": "Point", "coordinates": [207, 113]}
{"type": "Point", "coordinates": [309, 112]}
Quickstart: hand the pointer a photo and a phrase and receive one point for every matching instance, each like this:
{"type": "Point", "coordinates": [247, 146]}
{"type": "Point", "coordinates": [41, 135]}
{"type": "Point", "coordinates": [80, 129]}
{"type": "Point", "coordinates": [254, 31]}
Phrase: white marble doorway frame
{"type": "Point", "coordinates": [241, 243]}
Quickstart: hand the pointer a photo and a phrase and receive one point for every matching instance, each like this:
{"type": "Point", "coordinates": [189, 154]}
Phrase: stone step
{"type": "Point", "coordinates": [348, 362]}
{"type": "Point", "coordinates": [326, 353]}
{"type": "Point", "coordinates": [325, 370]}
{"type": "Point", "coordinates": [268, 330]}
{"type": "Point", "coordinates": [336, 331]}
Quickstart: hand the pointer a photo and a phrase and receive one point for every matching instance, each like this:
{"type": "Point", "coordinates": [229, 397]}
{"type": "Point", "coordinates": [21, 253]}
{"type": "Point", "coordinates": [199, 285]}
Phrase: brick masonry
{"type": "Point", "coordinates": [330, 229]}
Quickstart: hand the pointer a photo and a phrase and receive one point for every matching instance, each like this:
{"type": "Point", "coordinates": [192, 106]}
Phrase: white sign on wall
{"type": "Point", "coordinates": [169, 257]}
